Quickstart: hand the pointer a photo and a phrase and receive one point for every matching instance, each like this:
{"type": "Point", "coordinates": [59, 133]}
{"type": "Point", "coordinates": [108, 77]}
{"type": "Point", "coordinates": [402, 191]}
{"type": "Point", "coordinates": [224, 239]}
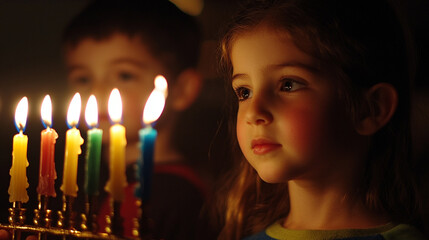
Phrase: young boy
{"type": "Point", "coordinates": [125, 45]}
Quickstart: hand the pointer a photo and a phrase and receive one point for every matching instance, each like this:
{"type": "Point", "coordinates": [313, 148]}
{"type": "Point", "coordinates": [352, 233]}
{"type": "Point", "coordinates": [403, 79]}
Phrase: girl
{"type": "Point", "coordinates": [323, 123]}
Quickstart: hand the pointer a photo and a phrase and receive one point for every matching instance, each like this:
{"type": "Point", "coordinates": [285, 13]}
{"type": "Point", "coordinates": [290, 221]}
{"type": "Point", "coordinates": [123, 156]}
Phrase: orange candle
{"type": "Point", "coordinates": [18, 172]}
{"type": "Point", "coordinates": [47, 173]}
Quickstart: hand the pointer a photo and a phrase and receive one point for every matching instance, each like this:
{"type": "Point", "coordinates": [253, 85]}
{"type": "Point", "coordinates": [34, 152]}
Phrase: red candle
{"type": "Point", "coordinates": [47, 173]}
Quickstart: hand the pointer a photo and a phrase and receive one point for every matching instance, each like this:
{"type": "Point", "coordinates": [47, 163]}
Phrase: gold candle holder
{"type": "Point", "coordinates": [136, 221]}
{"type": "Point", "coordinates": [89, 218]}
{"type": "Point", "coordinates": [66, 217]}
{"type": "Point", "coordinates": [114, 220]}
{"type": "Point", "coordinates": [17, 214]}
{"type": "Point", "coordinates": [16, 218]}
{"type": "Point", "coordinates": [42, 215]}
{"type": "Point", "coordinates": [41, 225]}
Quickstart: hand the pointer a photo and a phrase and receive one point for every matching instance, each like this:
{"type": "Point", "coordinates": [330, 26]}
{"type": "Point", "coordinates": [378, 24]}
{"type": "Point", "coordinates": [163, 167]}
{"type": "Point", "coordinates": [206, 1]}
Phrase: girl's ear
{"type": "Point", "coordinates": [186, 90]}
{"type": "Point", "coordinates": [382, 100]}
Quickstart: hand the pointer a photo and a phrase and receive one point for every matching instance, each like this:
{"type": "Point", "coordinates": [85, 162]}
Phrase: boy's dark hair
{"type": "Point", "coordinates": [172, 36]}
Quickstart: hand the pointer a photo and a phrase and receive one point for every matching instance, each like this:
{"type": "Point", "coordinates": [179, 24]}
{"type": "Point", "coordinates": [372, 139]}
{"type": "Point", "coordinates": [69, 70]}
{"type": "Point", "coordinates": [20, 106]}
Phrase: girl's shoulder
{"type": "Point", "coordinates": [386, 232]}
{"type": "Point", "coordinates": [403, 231]}
{"type": "Point", "coordinates": [259, 236]}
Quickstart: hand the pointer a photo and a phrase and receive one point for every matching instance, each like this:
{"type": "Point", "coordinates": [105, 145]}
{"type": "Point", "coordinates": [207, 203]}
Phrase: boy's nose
{"type": "Point", "coordinates": [102, 90]}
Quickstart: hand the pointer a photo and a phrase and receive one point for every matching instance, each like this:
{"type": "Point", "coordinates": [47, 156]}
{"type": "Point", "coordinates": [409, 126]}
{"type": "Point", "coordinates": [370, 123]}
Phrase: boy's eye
{"type": "Point", "coordinates": [126, 76]}
{"type": "Point", "coordinates": [243, 93]}
{"type": "Point", "coordinates": [290, 85]}
{"type": "Point", "coordinates": [81, 80]}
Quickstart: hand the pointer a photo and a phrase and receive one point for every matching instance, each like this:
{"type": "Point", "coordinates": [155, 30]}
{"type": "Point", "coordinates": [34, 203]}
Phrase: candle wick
{"type": "Point", "coordinates": [21, 128]}
{"type": "Point", "coordinates": [47, 123]}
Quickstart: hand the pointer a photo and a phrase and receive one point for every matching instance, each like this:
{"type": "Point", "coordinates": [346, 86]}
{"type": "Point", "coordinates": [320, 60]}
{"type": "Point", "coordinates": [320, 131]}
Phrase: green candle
{"type": "Point", "coordinates": [93, 152]}
{"type": "Point", "coordinates": [93, 156]}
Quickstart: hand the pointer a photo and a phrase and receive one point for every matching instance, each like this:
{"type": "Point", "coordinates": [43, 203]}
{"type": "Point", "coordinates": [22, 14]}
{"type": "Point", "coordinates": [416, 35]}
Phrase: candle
{"type": "Point", "coordinates": [72, 149]}
{"type": "Point", "coordinates": [117, 179]}
{"type": "Point", "coordinates": [152, 111]}
{"type": "Point", "coordinates": [18, 175]}
{"type": "Point", "coordinates": [93, 154]}
{"type": "Point", "coordinates": [47, 173]}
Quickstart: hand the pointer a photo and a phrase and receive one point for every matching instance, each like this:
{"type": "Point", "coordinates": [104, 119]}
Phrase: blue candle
{"type": "Point", "coordinates": [152, 111]}
{"type": "Point", "coordinates": [145, 162]}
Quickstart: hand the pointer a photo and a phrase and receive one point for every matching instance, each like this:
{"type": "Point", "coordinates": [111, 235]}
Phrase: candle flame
{"type": "Point", "coordinates": [115, 106]}
{"type": "Point", "coordinates": [21, 114]}
{"type": "Point", "coordinates": [161, 84]}
{"type": "Point", "coordinates": [156, 101]}
{"type": "Point", "coordinates": [46, 111]}
{"type": "Point", "coordinates": [73, 113]}
{"type": "Point", "coordinates": [91, 112]}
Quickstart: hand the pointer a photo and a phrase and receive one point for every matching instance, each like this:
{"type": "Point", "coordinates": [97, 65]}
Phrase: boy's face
{"type": "Point", "coordinates": [96, 67]}
{"type": "Point", "coordinates": [289, 125]}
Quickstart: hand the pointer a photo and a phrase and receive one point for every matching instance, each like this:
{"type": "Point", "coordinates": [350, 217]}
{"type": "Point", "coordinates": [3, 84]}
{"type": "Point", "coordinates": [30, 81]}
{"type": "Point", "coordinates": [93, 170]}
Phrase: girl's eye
{"type": "Point", "coordinates": [243, 93]}
{"type": "Point", "coordinates": [290, 85]}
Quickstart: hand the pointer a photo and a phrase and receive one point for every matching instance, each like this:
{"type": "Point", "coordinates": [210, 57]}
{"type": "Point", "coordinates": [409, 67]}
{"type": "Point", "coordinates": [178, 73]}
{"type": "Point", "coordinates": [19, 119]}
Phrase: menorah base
{"type": "Point", "coordinates": [54, 231]}
{"type": "Point", "coordinates": [114, 220]}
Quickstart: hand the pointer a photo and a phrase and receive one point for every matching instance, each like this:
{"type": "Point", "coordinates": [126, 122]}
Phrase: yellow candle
{"type": "Point", "coordinates": [18, 175]}
{"type": "Point", "coordinates": [117, 179]}
{"type": "Point", "coordinates": [72, 149]}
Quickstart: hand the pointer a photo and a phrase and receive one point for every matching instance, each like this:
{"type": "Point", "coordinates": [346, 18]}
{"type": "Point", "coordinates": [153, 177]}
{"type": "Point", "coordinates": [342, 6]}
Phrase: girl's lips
{"type": "Point", "coordinates": [263, 146]}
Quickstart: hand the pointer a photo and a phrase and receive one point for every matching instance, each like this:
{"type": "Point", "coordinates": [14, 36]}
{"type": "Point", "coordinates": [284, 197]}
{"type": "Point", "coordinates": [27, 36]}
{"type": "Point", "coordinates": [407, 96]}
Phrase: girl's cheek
{"type": "Point", "coordinates": [305, 132]}
{"type": "Point", "coordinates": [241, 133]}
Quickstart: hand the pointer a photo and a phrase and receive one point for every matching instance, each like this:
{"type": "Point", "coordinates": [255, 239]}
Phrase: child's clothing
{"type": "Point", "coordinates": [176, 200]}
{"type": "Point", "coordinates": [386, 232]}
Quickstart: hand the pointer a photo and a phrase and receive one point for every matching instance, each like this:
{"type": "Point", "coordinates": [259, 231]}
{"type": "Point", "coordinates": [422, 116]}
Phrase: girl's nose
{"type": "Point", "coordinates": [258, 112]}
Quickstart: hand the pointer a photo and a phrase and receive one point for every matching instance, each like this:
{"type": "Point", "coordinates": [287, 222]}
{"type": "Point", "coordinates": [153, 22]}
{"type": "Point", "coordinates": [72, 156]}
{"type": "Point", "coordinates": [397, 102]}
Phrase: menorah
{"type": "Point", "coordinates": [69, 224]}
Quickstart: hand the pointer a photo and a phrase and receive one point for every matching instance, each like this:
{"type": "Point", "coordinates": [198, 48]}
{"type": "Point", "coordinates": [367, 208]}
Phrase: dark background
{"type": "Point", "coordinates": [31, 65]}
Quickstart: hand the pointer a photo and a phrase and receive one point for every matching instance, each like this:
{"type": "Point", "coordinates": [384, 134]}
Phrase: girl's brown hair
{"type": "Point", "coordinates": [362, 43]}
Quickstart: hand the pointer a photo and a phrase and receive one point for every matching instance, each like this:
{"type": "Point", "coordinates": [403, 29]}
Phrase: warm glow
{"type": "Point", "coordinates": [191, 7]}
{"type": "Point", "coordinates": [21, 114]}
{"type": "Point", "coordinates": [156, 101]}
{"type": "Point", "coordinates": [91, 112]}
{"type": "Point", "coordinates": [46, 111]}
{"type": "Point", "coordinates": [161, 84]}
{"type": "Point", "coordinates": [73, 113]}
{"type": "Point", "coordinates": [115, 106]}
